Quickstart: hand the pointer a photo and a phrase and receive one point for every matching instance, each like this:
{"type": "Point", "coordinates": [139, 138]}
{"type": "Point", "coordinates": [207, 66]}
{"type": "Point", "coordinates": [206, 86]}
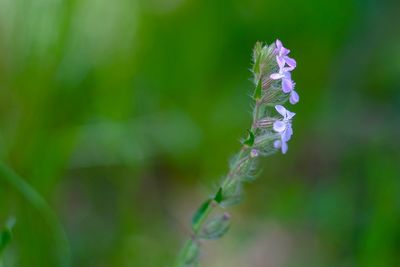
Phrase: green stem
{"type": "Point", "coordinates": [198, 226]}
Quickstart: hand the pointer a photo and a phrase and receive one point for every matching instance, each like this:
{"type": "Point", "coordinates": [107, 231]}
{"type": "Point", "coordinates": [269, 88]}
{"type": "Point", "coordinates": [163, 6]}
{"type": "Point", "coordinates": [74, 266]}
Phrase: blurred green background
{"type": "Point", "coordinates": [123, 114]}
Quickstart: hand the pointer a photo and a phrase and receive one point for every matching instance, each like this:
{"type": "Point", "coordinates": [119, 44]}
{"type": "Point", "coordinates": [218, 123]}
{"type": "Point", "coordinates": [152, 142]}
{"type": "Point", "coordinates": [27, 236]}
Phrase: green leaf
{"type": "Point", "coordinates": [250, 138]}
{"type": "Point", "coordinates": [216, 227]}
{"type": "Point", "coordinates": [256, 57]}
{"type": "Point", "coordinates": [257, 91]}
{"type": "Point", "coordinates": [200, 213]}
{"type": "Point", "coordinates": [218, 197]}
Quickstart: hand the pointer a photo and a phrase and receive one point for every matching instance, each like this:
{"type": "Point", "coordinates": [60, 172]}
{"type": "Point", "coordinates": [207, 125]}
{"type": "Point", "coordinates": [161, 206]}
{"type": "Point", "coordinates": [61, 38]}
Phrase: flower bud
{"type": "Point", "coordinates": [231, 193]}
{"type": "Point", "coordinates": [254, 153]}
{"type": "Point", "coordinates": [216, 227]}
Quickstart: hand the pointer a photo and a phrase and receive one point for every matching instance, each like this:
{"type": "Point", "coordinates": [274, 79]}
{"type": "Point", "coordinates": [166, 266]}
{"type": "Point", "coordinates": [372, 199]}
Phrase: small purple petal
{"type": "Point", "coordinates": [277, 144]}
{"type": "Point", "coordinates": [287, 85]}
{"type": "Point", "coordinates": [281, 109]}
{"type": "Point", "coordinates": [287, 74]}
{"type": "Point", "coordinates": [278, 44]}
{"type": "Point", "coordinates": [294, 97]}
{"type": "Point", "coordinates": [281, 61]}
{"type": "Point", "coordinates": [287, 134]}
{"type": "Point", "coordinates": [284, 147]}
{"type": "Point", "coordinates": [289, 115]}
{"type": "Point", "coordinates": [276, 76]}
{"type": "Point", "coordinates": [279, 126]}
{"type": "Point", "coordinates": [291, 62]}
{"type": "Point", "coordinates": [284, 51]}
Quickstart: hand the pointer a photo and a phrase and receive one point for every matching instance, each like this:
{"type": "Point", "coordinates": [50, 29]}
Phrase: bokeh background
{"type": "Point", "coordinates": [122, 116]}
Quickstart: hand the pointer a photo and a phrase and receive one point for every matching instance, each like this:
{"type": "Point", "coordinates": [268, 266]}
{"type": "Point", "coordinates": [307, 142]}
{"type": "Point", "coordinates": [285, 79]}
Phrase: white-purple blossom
{"type": "Point", "coordinates": [283, 127]}
{"type": "Point", "coordinates": [282, 55]}
{"type": "Point", "coordinates": [294, 96]}
{"type": "Point", "coordinates": [285, 75]}
{"type": "Point", "coordinates": [269, 133]}
{"type": "Point", "coordinates": [286, 64]}
{"type": "Point", "coordinates": [279, 144]}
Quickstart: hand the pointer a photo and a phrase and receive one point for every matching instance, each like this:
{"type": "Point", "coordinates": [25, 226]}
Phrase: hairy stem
{"type": "Point", "coordinates": [263, 140]}
{"type": "Point", "coordinates": [256, 115]}
{"type": "Point", "coordinates": [243, 156]}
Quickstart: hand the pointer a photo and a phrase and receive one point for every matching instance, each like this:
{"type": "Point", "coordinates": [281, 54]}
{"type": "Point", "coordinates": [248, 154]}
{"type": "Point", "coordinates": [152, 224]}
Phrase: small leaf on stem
{"type": "Point", "coordinates": [257, 91]}
{"type": "Point", "coordinates": [250, 138]}
{"type": "Point", "coordinates": [218, 197]}
{"type": "Point", "coordinates": [197, 217]}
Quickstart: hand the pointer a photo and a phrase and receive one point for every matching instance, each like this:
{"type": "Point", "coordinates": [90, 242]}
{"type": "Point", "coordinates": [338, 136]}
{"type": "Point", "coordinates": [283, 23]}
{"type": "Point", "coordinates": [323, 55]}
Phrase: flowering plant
{"type": "Point", "coordinates": [270, 131]}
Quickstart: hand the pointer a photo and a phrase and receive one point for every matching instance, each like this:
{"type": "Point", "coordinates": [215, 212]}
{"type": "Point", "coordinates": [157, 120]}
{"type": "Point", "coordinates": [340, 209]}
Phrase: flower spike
{"type": "Point", "coordinates": [270, 131]}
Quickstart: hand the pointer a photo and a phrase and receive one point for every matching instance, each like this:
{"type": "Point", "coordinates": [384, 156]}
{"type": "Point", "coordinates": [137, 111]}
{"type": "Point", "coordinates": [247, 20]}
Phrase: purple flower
{"type": "Point", "coordinates": [282, 145]}
{"type": "Point", "coordinates": [285, 75]}
{"type": "Point", "coordinates": [294, 96]}
{"type": "Point", "coordinates": [282, 56]}
{"type": "Point", "coordinates": [283, 127]}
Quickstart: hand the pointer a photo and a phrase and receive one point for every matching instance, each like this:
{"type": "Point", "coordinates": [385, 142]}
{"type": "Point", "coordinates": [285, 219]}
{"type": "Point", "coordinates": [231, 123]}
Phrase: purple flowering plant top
{"type": "Point", "coordinates": [286, 65]}
{"type": "Point", "coordinates": [270, 131]}
{"type": "Point", "coordinates": [282, 56]}
{"type": "Point", "coordinates": [273, 66]}
{"type": "Point", "coordinates": [283, 127]}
